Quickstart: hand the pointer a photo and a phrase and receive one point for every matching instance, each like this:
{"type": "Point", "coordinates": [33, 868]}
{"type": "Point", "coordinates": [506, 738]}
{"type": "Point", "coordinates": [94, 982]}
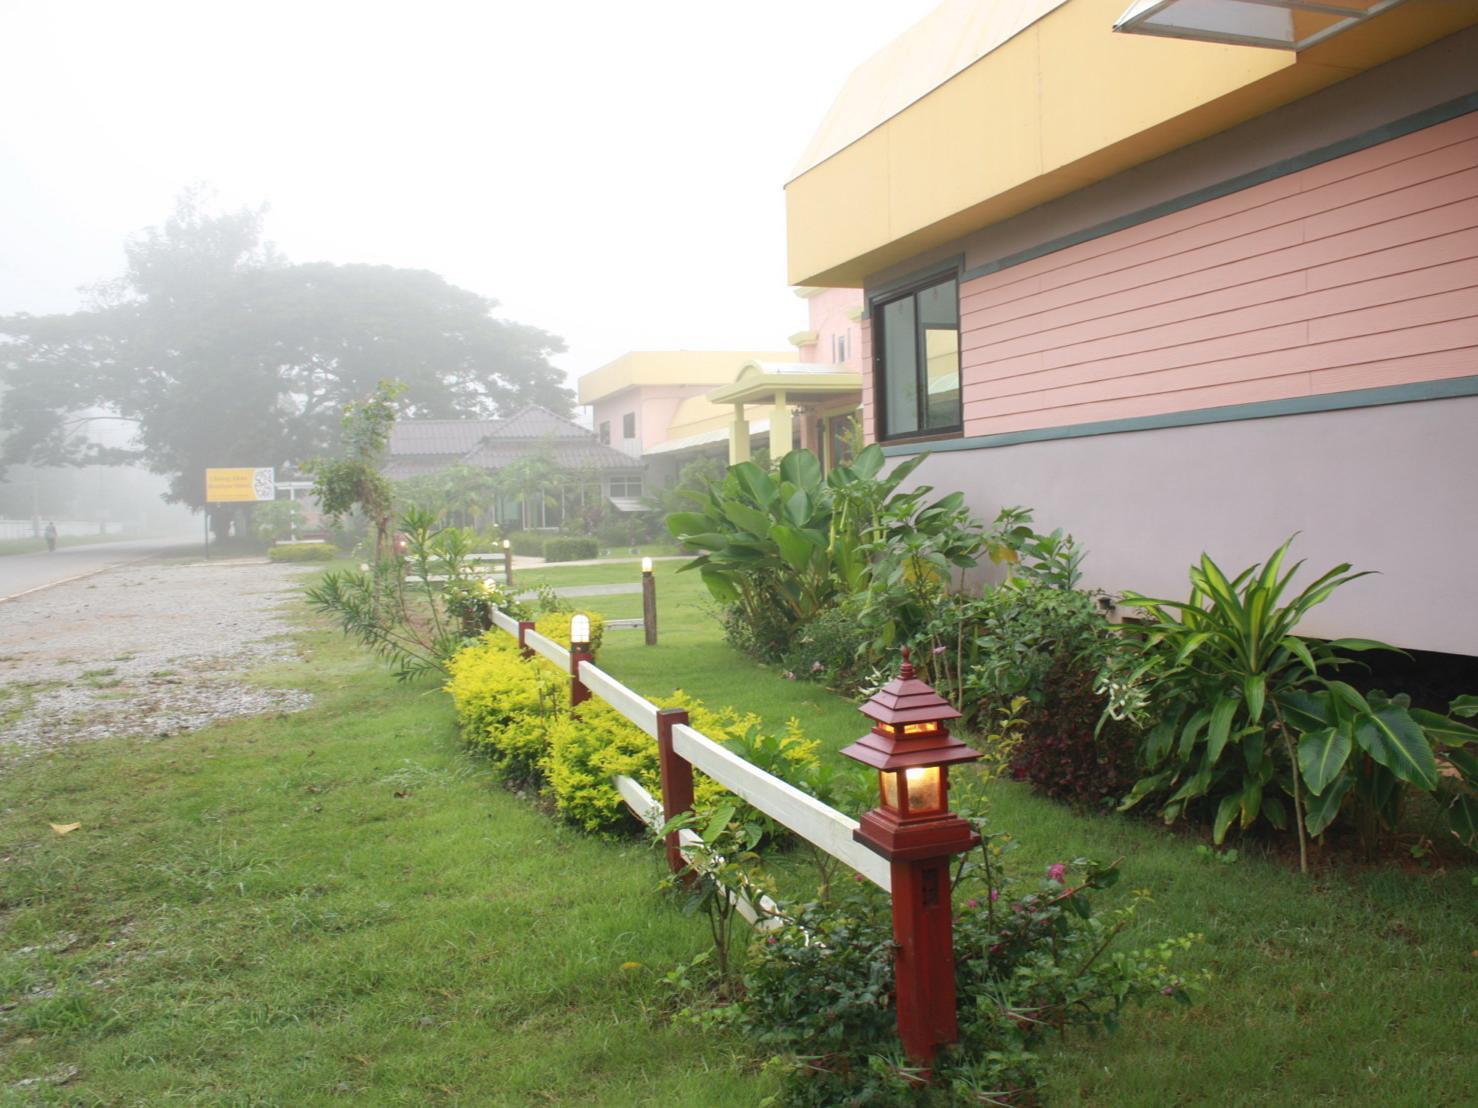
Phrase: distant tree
{"type": "Point", "coordinates": [223, 354]}
{"type": "Point", "coordinates": [353, 481]}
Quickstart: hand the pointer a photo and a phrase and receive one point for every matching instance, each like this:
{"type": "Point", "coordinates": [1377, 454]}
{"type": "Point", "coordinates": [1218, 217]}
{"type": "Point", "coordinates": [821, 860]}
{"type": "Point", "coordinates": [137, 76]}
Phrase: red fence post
{"type": "Point", "coordinates": [579, 694]}
{"type": "Point", "coordinates": [524, 627]}
{"type": "Point", "coordinates": [677, 782]}
{"type": "Point", "coordinates": [913, 828]}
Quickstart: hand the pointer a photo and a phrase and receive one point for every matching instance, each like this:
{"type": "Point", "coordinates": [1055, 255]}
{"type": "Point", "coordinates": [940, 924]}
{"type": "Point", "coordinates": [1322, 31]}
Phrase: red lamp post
{"type": "Point", "coordinates": [915, 831]}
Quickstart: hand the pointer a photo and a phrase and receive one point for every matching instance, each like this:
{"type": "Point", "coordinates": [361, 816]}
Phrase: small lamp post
{"type": "Point", "coordinates": [579, 652]}
{"type": "Point", "coordinates": [915, 831]}
{"type": "Point", "coordinates": [649, 601]}
{"type": "Point", "coordinates": [508, 562]}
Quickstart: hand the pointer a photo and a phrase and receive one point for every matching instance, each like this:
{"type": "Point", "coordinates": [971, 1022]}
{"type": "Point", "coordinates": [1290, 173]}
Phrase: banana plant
{"type": "Point", "coordinates": [792, 543]}
{"type": "Point", "coordinates": [1250, 714]}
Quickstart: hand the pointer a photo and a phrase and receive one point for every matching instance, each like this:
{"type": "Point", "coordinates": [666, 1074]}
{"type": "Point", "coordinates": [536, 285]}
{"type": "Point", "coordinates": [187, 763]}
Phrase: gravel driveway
{"type": "Point", "coordinates": [144, 649]}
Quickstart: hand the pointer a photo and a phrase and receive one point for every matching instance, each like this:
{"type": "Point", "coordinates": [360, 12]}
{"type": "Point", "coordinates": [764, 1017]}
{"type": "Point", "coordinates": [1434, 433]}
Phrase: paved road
{"type": "Point", "coordinates": [20, 573]}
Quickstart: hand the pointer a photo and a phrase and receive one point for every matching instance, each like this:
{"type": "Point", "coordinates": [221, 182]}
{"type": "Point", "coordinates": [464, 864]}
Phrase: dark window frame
{"type": "Point", "coordinates": [604, 432]}
{"type": "Point", "coordinates": [921, 364]}
{"type": "Point", "coordinates": [628, 426]}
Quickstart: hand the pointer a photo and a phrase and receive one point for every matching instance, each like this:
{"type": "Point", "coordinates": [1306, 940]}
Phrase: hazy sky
{"type": "Point", "coordinates": [610, 172]}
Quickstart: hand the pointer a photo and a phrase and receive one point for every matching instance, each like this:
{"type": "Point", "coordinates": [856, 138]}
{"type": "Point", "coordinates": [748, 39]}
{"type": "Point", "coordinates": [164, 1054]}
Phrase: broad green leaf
{"type": "Point", "coordinates": [1460, 811]}
{"type": "Point", "coordinates": [1143, 787]}
{"type": "Point", "coordinates": [1319, 811]}
{"type": "Point", "coordinates": [1465, 762]}
{"type": "Point", "coordinates": [749, 519]}
{"type": "Point", "coordinates": [754, 481]}
{"type": "Point", "coordinates": [1465, 706]}
{"type": "Point", "coordinates": [1308, 711]}
{"type": "Point", "coordinates": [716, 825]}
{"type": "Point", "coordinates": [719, 586]}
{"type": "Point", "coordinates": [794, 547]}
{"type": "Point", "coordinates": [1254, 691]}
{"type": "Point", "coordinates": [1349, 695]}
{"type": "Point", "coordinates": [801, 469]}
{"type": "Point", "coordinates": [1220, 727]}
{"type": "Point", "coordinates": [798, 508]}
{"type": "Point", "coordinates": [1321, 757]}
{"type": "Point", "coordinates": [1441, 729]}
{"type": "Point", "coordinates": [1360, 644]}
{"type": "Point", "coordinates": [1226, 811]}
{"type": "Point", "coordinates": [687, 523]}
{"type": "Point", "coordinates": [1157, 745]}
{"type": "Point", "coordinates": [1396, 741]}
{"type": "Point", "coordinates": [1192, 732]}
{"type": "Point", "coordinates": [1251, 803]}
{"type": "Point", "coordinates": [869, 463]}
{"type": "Point", "coordinates": [1274, 812]}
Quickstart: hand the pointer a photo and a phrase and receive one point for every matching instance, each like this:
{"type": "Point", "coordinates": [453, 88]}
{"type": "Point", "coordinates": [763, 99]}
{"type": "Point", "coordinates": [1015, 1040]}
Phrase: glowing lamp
{"type": "Point", "coordinates": [580, 633]}
{"type": "Point", "coordinates": [911, 748]}
{"type": "Point", "coordinates": [507, 545]}
{"type": "Point", "coordinates": [646, 565]}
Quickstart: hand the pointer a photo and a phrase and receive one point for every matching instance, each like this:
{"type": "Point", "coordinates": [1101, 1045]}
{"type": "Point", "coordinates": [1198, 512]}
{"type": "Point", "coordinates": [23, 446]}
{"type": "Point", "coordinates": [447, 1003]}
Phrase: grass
{"type": "Point", "coordinates": [331, 905]}
{"type": "Point", "coordinates": [341, 903]}
{"type": "Point", "coordinates": [1352, 987]}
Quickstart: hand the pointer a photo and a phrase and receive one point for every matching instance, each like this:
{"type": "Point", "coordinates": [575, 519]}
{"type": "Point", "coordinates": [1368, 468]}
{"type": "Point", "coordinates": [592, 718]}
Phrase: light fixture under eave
{"type": "Point", "coordinates": [1278, 24]}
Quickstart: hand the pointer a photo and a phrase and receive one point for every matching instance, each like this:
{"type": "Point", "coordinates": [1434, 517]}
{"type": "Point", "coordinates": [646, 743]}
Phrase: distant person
{"type": "Point", "coordinates": [50, 534]}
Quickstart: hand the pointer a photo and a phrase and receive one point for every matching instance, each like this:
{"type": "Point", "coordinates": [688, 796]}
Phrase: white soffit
{"type": "Point", "coordinates": [1278, 24]}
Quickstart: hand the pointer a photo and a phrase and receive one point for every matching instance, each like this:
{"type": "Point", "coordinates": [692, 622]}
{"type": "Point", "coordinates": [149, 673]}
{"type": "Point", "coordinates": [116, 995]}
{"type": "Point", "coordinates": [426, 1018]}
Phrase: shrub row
{"type": "Point", "coordinates": [516, 712]}
{"type": "Point", "coordinates": [303, 552]}
{"type": "Point", "coordinates": [570, 548]}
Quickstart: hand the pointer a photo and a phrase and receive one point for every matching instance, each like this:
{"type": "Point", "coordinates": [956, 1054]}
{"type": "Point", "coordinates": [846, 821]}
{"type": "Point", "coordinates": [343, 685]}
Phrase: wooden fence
{"type": "Point", "coordinates": [819, 824]}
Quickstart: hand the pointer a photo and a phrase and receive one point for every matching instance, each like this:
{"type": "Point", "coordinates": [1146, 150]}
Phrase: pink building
{"type": "Point", "coordinates": [1178, 293]}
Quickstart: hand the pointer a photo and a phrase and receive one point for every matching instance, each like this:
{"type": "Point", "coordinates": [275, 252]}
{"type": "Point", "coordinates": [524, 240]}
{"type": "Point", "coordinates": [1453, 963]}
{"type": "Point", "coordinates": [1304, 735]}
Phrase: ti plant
{"type": "Point", "coordinates": [1249, 714]}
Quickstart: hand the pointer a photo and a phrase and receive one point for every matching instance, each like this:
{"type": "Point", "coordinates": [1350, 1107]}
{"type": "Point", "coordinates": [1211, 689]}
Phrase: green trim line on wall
{"type": "Point", "coordinates": [1429, 117]}
{"type": "Point", "coordinates": [1232, 413]}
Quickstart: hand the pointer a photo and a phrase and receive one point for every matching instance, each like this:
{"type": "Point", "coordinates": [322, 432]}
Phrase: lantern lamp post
{"type": "Point", "coordinates": [579, 652]}
{"type": "Point", "coordinates": [649, 601]}
{"type": "Point", "coordinates": [913, 828]}
{"type": "Point", "coordinates": [508, 562]}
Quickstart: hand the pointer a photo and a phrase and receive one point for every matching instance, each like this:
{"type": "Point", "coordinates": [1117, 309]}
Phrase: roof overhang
{"type": "Point", "coordinates": [1063, 103]}
{"type": "Point", "coordinates": [1276, 24]}
{"type": "Point", "coordinates": [802, 383]}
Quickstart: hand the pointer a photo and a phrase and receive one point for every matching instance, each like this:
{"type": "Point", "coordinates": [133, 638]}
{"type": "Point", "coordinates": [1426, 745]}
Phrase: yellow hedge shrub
{"type": "Point", "coordinates": [585, 753]}
{"type": "Point", "coordinates": [505, 704]}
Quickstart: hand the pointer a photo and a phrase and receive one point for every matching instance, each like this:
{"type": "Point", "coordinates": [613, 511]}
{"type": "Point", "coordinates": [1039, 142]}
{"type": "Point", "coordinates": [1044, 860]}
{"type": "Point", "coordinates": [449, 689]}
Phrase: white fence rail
{"type": "Point", "coordinates": [547, 649]}
{"type": "Point", "coordinates": [819, 824]}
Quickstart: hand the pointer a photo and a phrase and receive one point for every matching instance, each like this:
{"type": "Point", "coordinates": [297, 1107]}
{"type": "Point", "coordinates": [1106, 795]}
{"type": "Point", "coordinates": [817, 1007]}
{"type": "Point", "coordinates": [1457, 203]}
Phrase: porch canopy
{"type": "Point", "coordinates": [781, 386]}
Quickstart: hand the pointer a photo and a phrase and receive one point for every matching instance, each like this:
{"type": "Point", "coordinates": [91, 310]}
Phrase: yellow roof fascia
{"type": "Point", "coordinates": [1063, 104]}
{"type": "Point", "coordinates": [754, 385]}
{"type": "Point", "coordinates": [669, 368]}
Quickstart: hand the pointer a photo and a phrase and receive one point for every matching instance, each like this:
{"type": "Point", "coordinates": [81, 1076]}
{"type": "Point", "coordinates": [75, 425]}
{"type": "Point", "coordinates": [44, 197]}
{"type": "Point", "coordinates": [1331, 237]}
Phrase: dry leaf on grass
{"type": "Point", "coordinates": [65, 828]}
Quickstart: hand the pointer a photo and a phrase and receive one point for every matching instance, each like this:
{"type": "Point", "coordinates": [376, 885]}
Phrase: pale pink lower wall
{"type": "Point", "coordinates": [1356, 273]}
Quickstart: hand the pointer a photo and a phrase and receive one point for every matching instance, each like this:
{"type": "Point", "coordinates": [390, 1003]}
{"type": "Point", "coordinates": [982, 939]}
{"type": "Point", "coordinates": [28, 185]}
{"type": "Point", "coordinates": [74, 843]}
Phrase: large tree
{"type": "Point", "coordinates": [221, 353]}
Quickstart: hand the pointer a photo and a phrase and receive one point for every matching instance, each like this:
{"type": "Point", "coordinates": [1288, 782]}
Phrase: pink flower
{"type": "Point", "coordinates": [788, 675]}
{"type": "Point", "coordinates": [940, 649]}
{"type": "Point", "coordinates": [817, 667]}
{"type": "Point", "coordinates": [1167, 991]}
{"type": "Point", "coordinates": [1056, 872]}
{"type": "Point", "coordinates": [972, 903]}
{"type": "Point", "coordinates": [995, 895]}
{"type": "Point", "coordinates": [858, 878]}
{"type": "Point", "coordinates": [770, 941]}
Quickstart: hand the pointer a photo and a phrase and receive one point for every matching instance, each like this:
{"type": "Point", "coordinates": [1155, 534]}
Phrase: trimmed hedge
{"type": "Point", "coordinates": [517, 712]}
{"type": "Point", "coordinates": [303, 552]}
{"type": "Point", "coordinates": [570, 548]}
{"type": "Point", "coordinates": [527, 544]}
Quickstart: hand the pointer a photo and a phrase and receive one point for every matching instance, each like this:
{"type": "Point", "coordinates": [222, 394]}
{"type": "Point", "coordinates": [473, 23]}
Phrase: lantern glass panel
{"type": "Point", "coordinates": [580, 630]}
{"type": "Point", "coordinates": [925, 789]}
{"type": "Point", "coordinates": [890, 790]}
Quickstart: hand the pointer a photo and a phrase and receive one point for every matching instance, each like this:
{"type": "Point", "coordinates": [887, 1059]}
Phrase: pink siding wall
{"type": "Point", "coordinates": [827, 316]}
{"type": "Point", "coordinates": [1356, 273]}
{"type": "Point", "coordinates": [864, 350]}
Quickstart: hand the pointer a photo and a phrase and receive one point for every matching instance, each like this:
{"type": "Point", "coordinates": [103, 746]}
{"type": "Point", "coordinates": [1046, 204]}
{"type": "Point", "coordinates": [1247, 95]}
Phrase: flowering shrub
{"type": "Point", "coordinates": [505, 704]}
{"type": "Point", "coordinates": [1034, 956]}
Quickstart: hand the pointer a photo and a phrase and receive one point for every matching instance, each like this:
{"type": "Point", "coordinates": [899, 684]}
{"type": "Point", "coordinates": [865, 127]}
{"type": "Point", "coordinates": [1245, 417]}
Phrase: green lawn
{"type": "Point", "coordinates": [327, 906]}
{"type": "Point", "coordinates": [35, 546]}
{"type": "Point", "coordinates": [251, 914]}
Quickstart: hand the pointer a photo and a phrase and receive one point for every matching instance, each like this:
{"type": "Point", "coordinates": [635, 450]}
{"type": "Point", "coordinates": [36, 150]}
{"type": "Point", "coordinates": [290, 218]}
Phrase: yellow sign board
{"type": "Point", "coordinates": [234, 486]}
